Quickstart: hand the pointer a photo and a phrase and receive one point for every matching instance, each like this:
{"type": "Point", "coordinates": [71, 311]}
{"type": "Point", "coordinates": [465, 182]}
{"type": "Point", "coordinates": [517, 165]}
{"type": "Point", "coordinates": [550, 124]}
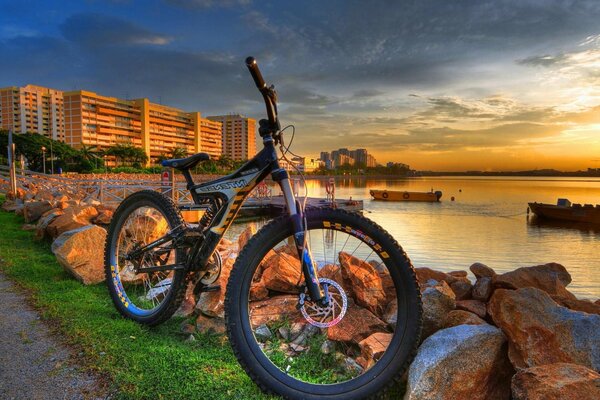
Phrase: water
{"type": "Point", "coordinates": [486, 223]}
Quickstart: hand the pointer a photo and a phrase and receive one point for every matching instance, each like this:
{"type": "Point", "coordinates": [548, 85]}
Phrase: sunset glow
{"type": "Point", "coordinates": [440, 85]}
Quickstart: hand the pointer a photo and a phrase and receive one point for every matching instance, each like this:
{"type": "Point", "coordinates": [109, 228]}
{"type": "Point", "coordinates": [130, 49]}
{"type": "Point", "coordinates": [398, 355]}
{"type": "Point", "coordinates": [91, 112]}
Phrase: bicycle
{"type": "Point", "coordinates": [320, 303]}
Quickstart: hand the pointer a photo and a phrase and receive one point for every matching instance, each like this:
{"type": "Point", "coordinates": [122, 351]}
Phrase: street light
{"type": "Point", "coordinates": [44, 158]}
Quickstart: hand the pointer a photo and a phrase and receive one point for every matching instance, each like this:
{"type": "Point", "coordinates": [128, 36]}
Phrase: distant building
{"type": "Point", "coordinates": [101, 121]}
{"type": "Point", "coordinates": [325, 158]}
{"type": "Point", "coordinates": [343, 156]}
{"type": "Point", "coordinates": [32, 109]}
{"type": "Point", "coordinates": [306, 165]}
{"type": "Point", "coordinates": [371, 161]}
{"type": "Point", "coordinates": [238, 136]}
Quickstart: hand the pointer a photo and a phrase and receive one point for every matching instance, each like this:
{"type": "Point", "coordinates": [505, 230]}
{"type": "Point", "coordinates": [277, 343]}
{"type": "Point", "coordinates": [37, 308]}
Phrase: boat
{"type": "Point", "coordinates": [565, 211]}
{"type": "Point", "coordinates": [395, 195]}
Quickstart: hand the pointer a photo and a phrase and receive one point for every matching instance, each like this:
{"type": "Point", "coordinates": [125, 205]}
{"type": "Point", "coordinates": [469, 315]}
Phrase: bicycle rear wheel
{"type": "Point", "coordinates": [353, 348]}
{"type": "Point", "coordinates": [150, 297]}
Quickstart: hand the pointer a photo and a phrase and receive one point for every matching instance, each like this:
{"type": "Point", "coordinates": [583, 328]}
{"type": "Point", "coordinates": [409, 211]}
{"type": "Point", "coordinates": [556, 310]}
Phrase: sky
{"type": "Point", "coordinates": [439, 85]}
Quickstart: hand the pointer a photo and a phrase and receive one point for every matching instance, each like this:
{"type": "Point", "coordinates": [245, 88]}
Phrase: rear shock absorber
{"type": "Point", "coordinates": [208, 215]}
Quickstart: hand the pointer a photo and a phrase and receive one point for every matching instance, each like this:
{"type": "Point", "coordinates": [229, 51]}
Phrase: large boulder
{"type": "Point", "coordinates": [367, 285]}
{"type": "Point", "coordinates": [425, 274]}
{"type": "Point", "coordinates": [552, 278]}
{"type": "Point", "coordinates": [461, 317]}
{"type": "Point", "coordinates": [481, 270]}
{"type": "Point", "coordinates": [542, 332]}
{"type": "Point", "coordinates": [33, 210]}
{"type": "Point", "coordinates": [462, 290]}
{"type": "Point", "coordinates": [438, 301]}
{"type": "Point", "coordinates": [282, 273]}
{"type": "Point", "coordinates": [274, 309]}
{"type": "Point", "coordinates": [44, 221]}
{"type": "Point", "coordinates": [372, 348]}
{"type": "Point", "coordinates": [212, 303]}
{"type": "Point", "coordinates": [73, 218]}
{"type": "Point", "coordinates": [358, 324]}
{"type": "Point", "coordinates": [475, 306]}
{"type": "Point", "coordinates": [482, 290]}
{"type": "Point", "coordinates": [79, 251]}
{"type": "Point", "coordinates": [463, 362]}
{"type": "Point", "coordinates": [578, 305]}
{"type": "Point", "coordinates": [559, 381]}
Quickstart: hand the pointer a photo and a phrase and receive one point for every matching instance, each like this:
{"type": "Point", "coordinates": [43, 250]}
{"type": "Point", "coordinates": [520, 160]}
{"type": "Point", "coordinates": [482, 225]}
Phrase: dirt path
{"type": "Point", "coordinates": [33, 363]}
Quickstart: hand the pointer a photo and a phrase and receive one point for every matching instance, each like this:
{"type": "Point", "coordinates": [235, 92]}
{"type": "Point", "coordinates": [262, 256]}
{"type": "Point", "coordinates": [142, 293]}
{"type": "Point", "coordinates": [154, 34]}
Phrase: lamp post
{"type": "Point", "coordinates": [44, 158]}
{"type": "Point", "coordinates": [51, 158]}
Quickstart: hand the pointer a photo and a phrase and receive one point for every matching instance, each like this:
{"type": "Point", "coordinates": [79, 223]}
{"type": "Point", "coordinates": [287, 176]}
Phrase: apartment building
{"type": "Point", "coordinates": [238, 136]}
{"type": "Point", "coordinates": [32, 109]}
{"type": "Point", "coordinates": [101, 121]}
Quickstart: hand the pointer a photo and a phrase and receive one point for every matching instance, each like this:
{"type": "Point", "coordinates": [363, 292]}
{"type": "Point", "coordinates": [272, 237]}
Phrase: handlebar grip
{"type": "Point", "coordinates": [255, 72]}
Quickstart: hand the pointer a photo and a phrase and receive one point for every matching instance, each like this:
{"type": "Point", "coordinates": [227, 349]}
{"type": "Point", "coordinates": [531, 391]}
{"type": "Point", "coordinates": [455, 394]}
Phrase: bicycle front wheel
{"type": "Point", "coordinates": [355, 347]}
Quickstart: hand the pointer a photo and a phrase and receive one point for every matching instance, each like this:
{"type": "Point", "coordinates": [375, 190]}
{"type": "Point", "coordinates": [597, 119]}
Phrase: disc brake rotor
{"type": "Point", "coordinates": [325, 317]}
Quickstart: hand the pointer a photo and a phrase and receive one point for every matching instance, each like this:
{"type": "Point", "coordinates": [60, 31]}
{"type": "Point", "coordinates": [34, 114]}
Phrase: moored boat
{"type": "Point", "coordinates": [396, 195]}
{"type": "Point", "coordinates": [565, 211]}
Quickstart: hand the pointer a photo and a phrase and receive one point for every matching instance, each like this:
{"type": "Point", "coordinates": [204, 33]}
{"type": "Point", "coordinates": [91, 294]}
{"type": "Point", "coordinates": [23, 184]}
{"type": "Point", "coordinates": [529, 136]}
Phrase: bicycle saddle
{"type": "Point", "coordinates": [186, 163]}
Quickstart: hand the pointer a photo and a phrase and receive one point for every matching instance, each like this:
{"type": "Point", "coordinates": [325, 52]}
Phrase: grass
{"type": "Point", "coordinates": [139, 362]}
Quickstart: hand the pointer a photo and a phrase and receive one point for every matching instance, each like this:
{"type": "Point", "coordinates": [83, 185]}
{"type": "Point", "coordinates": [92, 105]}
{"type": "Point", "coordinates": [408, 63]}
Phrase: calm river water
{"type": "Point", "coordinates": [486, 223]}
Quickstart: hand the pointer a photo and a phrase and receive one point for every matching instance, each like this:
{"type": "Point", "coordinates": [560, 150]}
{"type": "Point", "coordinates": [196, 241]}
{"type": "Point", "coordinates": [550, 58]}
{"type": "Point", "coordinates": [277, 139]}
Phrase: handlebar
{"type": "Point", "coordinates": [271, 126]}
{"type": "Point", "coordinates": [255, 72]}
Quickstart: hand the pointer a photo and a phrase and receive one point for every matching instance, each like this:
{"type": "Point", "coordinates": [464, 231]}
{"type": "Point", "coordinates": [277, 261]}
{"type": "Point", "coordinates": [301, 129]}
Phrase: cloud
{"type": "Point", "coordinates": [542, 61]}
{"type": "Point", "coordinates": [97, 30]}
{"type": "Point", "coordinates": [206, 4]}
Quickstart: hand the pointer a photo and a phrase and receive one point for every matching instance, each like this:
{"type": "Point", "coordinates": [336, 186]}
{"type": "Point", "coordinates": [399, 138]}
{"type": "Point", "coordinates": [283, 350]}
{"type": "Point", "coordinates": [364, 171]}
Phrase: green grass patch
{"type": "Point", "coordinates": [140, 362]}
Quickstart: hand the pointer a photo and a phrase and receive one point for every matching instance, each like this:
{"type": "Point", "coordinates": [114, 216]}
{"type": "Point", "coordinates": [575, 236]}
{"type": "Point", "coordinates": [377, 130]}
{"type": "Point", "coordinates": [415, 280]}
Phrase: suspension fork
{"type": "Point", "coordinates": [309, 269]}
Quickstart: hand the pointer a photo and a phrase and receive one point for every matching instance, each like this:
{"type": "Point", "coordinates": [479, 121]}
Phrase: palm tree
{"type": "Point", "coordinates": [178, 152]}
{"type": "Point", "coordinates": [89, 153]}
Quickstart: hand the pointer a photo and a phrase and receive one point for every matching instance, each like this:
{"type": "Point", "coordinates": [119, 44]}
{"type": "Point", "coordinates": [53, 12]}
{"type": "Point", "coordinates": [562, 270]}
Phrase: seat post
{"type": "Point", "coordinates": [188, 178]}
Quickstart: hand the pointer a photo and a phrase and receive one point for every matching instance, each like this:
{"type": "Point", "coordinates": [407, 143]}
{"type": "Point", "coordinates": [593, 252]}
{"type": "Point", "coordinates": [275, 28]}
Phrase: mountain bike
{"type": "Point", "coordinates": [320, 302]}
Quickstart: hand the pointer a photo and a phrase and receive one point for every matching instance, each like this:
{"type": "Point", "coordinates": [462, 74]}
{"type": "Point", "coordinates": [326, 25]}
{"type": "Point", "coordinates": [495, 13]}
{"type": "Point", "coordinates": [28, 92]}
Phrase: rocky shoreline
{"type": "Point", "coordinates": [519, 335]}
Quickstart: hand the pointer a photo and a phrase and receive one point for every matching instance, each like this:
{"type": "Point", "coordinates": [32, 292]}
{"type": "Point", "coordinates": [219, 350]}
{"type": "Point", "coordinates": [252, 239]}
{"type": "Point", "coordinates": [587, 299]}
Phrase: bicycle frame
{"type": "Point", "coordinates": [231, 191]}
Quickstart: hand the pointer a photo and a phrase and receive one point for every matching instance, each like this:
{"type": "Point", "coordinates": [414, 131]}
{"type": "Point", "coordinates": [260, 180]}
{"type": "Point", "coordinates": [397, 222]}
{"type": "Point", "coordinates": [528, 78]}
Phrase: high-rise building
{"type": "Point", "coordinates": [101, 121]}
{"type": "Point", "coordinates": [360, 156]}
{"type": "Point", "coordinates": [238, 136]}
{"type": "Point", "coordinates": [33, 109]}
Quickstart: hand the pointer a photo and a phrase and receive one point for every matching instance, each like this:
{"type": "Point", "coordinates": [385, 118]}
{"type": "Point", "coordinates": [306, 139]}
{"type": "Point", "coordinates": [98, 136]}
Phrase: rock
{"type": "Point", "coordinates": [542, 332]}
{"type": "Point", "coordinates": [187, 328]}
{"type": "Point", "coordinates": [282, 273]}
{"type": "Point", "coordinates": [263, 333]}
{"type": "Point", "coordinates": [552, 278]}
{"type": "Point", "coordinates": [308, 332]}
{"type": "Point", "coordinates": [482, 290]}
{"type": "Point", "coordinates": [327, 347]}
{"type": "Point", "coordinates": [258, 291]}
{"type": "Point", "coordinates": [365, 282]}
{"type": "Point", "coordinates": [188, 305]}
{"type": "Point", "coordinates": [80, 252]}
{"type": "Point", "coordinates": [103, 217]}
{"type": "Point", "coordinates": [475, 306]}
{"type": "Point", "coordinates": [297, 328]}
{"type": "Point", "coordinates": [438, 301]}
{"type": "Point", "coordinates": [557, 381]}
{"type": "Point", "coordinates": [19, 194]}
{"type": "Point", "coordinates": [458, 274]}
{"type": "Point", "coordinates": [482, 271]}
{"type": "Point", "coordinates": [34, 210]}
{"type": "Point", "coordinates": [578, 305]}
{"type": "Point", "coordinates": [190, 338]}
{"type": "Point", "coordinates": [43, 223]}
{"type": "Point", "coordinates": [246, 235]}
{"type": "Point", "coordinates": [277, 308]}
{"type": "Point", "coordinates": [212, 303]}
{"type": "Point", "coordinates": [463, 362]}
{"type": "Point", "coordinates": [210, 325]}
{"type": "Point", "coordinates": [284, 333]}
{"type": "Point", "coordinates": [72, 218]}
{"type": "Point", "coordinates": [357, 324]}
{"type": "Point", "coordinates": [331, 271]}
{"type": "Point", "coordinates": [424, 274]}
{"type": "Point", "coordinates": [352, 366]}
{"type": "Point", "coordinates": [390, 316]}
{"type": "Point", "coordinates": [462, 290]}
{"type": "Point", "coordinates": [461, 317]}
{"type": "Point", "coordinates": [28, 227]}
{"type": "Point", "coordinates": [373, 347]}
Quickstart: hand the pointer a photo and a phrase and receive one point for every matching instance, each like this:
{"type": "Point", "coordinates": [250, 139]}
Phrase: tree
{"type": "Point", "coordinates": [127, 154]}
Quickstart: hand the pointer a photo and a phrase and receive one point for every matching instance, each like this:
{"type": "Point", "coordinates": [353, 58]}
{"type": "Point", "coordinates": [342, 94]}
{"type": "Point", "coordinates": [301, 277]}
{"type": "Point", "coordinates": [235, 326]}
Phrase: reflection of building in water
{"type": "Point", "coordinates": [302, 164]}
{"type": "Point", "coordinates": [345, 157]}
